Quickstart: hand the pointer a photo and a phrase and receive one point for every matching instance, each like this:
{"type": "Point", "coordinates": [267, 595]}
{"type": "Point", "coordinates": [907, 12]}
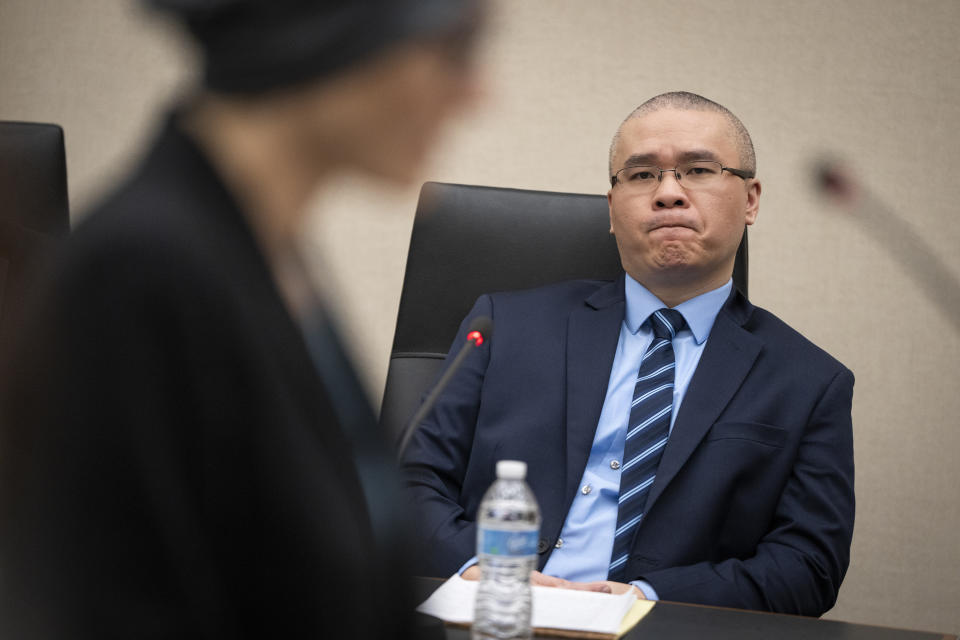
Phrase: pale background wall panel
{"type": "Point", "coordinates": [874, 82]}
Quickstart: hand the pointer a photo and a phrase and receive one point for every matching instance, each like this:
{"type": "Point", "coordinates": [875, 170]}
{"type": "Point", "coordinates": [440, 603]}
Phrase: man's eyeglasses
{"type": "Point", "coordinates": [701, 174]}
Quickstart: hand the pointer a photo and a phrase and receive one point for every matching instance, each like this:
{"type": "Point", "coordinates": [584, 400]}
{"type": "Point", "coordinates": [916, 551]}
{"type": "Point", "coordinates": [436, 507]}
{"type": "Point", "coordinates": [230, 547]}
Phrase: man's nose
{"type": "Point", "coordinates": [670, 193]}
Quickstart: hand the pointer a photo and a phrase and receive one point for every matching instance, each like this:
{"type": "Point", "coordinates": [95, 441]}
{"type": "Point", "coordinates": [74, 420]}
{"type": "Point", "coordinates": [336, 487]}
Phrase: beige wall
{"type": "Point", "coordinates": [875, 82]}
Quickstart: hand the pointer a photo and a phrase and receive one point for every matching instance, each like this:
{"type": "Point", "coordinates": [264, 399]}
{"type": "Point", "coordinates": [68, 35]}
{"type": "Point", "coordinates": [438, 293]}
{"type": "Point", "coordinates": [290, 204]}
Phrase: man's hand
{"type": "Point", "coordinates": [616, 588]}
{"type": "Point", "coordinates": [602, 586]}
{"type": "Point", "coordinates": [541, 580]}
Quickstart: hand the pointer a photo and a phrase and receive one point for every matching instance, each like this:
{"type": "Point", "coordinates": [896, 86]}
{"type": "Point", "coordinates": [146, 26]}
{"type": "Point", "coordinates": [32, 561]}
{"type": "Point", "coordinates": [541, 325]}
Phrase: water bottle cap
{"type": "Point", "coordinates": [512, 469]}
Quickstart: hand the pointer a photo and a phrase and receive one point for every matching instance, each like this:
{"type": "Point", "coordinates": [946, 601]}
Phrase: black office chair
{"type": "Point", "coordinates": [34, 210]}
{"type": "Point", "coordinates": [470, 240]}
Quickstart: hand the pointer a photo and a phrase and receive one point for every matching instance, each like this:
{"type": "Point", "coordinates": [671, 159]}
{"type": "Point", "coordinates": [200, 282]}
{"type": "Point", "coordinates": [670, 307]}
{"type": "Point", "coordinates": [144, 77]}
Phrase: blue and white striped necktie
{"type": "Point", "coordinates": [647, 433]}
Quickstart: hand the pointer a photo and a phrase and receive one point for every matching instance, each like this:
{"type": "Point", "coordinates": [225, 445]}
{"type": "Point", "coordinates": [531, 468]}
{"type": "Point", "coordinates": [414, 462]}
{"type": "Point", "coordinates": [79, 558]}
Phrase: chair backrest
{"type": "Point", "coordinates": [33, 177]}
{"type": "Point", "coordinates": [33, 205]}
{"type": "Point", "coordinates": [471, 240]}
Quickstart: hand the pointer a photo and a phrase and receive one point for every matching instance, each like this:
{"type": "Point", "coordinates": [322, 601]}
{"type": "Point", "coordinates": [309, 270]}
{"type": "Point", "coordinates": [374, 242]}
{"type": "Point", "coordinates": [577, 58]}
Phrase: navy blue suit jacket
{"type": "Point", "coordinates": [753, 502]}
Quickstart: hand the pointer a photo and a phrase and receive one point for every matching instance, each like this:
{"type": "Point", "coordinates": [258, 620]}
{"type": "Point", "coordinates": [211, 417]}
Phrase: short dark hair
{"type": "Point", "coordinates": [691, 101]}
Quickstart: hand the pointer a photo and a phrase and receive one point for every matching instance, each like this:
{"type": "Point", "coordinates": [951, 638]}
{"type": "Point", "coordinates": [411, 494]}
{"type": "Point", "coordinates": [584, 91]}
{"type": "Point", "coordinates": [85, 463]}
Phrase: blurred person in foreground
{"type": "Point", "coordinates": [185, 449]}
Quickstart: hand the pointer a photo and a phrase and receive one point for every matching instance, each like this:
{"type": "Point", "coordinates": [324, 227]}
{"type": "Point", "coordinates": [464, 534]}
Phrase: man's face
{"type": "Point", "coordinates": [672, 236]}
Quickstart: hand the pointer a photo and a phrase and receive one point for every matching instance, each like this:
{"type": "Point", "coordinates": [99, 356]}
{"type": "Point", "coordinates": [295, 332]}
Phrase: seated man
{"type": "Point", "coordinates": [678, 438]}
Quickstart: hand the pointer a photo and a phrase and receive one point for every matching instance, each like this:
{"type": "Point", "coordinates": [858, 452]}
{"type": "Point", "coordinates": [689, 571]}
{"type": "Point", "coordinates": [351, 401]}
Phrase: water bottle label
{"type": "Point", "coordinates": [507, 543]}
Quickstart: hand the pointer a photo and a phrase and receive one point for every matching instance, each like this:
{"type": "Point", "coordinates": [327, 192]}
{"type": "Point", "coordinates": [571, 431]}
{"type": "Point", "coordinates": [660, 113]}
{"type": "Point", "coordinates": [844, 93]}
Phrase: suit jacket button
{"type": "Point", "coordinates": [543, 545]}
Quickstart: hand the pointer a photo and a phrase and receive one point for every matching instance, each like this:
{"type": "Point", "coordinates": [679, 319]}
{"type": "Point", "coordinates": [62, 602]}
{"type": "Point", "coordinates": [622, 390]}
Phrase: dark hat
{"type": "Point", "coordinates": [252, 46]}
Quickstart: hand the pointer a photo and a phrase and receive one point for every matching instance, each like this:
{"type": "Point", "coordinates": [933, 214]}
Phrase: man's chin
{"type": "Point", "coordinates": [676, 269]}
{"type": "Point", "coordinates": [675, 257]}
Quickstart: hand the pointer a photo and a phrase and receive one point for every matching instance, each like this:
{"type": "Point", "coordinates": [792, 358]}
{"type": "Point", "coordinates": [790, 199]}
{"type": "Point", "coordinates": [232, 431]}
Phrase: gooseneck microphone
{"type": "Point", "coordinates": [479, 330]}
{"type": "Point", "coordinates": [899, 238]}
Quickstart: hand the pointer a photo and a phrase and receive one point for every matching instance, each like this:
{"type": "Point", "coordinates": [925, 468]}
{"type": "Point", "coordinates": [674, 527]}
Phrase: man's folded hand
{"type": "Point", "coordinates": [542, 580]}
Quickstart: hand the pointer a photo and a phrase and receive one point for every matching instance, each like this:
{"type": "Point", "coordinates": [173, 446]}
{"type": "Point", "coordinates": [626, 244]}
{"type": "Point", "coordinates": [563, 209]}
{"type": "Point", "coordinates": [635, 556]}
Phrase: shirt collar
{"type": "Point", "coordinates": [699, 312]}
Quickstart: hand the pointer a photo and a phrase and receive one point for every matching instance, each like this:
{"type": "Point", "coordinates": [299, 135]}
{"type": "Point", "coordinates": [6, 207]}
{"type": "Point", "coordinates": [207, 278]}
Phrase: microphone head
{"type": "Point", "coordinates": [482, 325]}
{"type": "Point", "coordinates": [835, 180]}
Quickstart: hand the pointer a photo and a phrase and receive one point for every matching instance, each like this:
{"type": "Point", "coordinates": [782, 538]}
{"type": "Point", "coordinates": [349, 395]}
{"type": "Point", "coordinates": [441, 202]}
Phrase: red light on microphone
{"type": "Point", "coordinates": [475, 337]}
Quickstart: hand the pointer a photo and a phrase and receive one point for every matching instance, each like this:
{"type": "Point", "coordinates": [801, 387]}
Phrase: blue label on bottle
{"type": "Point", "coordinates": [496, 542]}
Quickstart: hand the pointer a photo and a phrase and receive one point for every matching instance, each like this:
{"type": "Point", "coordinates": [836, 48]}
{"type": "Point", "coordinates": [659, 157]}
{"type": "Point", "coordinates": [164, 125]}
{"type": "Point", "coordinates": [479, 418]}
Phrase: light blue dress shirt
{"type": "Point", "coordinates": [583, 550]}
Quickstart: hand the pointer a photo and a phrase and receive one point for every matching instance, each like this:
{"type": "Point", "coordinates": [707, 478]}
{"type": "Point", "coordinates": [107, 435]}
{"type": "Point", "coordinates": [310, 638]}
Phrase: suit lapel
{"type": "Point", "coordinates": [729, 355]}
{"type": "Point", "coordinates": [592, 335]}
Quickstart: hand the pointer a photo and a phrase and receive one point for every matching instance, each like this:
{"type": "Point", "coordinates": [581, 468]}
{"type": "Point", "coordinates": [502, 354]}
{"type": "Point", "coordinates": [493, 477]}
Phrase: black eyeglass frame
{"type": "Point", "coordinates": [740, 173]}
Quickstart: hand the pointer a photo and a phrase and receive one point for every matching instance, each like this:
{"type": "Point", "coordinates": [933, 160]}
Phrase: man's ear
{"type": "Point", "coordinates": [610, 208]}
{"type": "Point", "coordinates": [753, 200]}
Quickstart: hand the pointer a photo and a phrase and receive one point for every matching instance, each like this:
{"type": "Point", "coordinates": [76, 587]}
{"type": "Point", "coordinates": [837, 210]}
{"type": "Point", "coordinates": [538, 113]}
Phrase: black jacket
{"type": "Point", "coordinates": [173, 462]}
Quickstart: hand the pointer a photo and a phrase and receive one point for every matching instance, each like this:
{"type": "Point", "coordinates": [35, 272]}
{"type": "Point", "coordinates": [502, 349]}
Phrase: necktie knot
{"type": "Point", "coordinates": [666, 323]}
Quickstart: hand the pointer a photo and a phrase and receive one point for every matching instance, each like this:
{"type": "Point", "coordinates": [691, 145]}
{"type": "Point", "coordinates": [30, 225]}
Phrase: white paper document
{"type": "Point", "coordinates": [552, 608]}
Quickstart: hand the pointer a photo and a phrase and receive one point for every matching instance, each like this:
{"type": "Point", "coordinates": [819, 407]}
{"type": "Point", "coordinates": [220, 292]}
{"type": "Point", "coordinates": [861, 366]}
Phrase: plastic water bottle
{"type": "Point", "coordinates": [507, 533]}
